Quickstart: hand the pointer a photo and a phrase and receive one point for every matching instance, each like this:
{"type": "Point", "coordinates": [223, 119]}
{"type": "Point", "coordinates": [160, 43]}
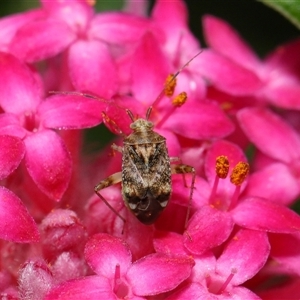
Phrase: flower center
{"type": "Point", "coordinates": [217, 286]}
{"type": "Point", "coordinates": [29, 121]}
{"type": "Point", "coordinates": [237, 177]}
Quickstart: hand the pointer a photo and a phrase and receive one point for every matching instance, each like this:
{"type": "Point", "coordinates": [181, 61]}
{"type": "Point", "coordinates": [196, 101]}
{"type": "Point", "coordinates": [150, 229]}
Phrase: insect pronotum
{"type": "Point", "coordinates": [146, 169]}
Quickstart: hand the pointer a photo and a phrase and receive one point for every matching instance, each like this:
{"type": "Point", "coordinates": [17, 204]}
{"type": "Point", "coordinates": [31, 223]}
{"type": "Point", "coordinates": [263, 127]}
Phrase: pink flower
{"type": "Point", "coordinates": [73, 25]}
{"type": "Point", "coordinates": [278, 141]}
{"type": "Point", "coordinates": [245, 253]}
{"type": "Point", "coordinates": [30, 118]}
{"type": "Point", "coordinates": [118, 277]}
{"type": "Point", "coordinates": [228, 205]}
{"type": "Point", "coordinates": [239, 235]}
{"type": "Point", "coordinates": [274, 80]}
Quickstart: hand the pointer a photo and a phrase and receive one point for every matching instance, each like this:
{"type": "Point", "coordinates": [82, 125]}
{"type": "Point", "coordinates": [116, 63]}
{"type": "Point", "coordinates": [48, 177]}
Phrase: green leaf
{"type": "Point", "coordinates": [289, 9]}
{"type": "Point", "coordinates": [109, 5]}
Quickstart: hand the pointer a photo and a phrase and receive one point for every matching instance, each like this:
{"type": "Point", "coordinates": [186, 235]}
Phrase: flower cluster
{"type": "Point", "coordinates": [236, 121]}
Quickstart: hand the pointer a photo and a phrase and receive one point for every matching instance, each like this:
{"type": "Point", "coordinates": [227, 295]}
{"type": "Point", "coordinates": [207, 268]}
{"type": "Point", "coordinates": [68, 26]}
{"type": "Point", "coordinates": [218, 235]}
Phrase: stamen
{"type": "Point", "coordinates": [222, 166]}
{"type": "Point", "coordinates": [117, 279]}
{"type": "Point", "coordinates": [225, 284]}
{"type": "Point", "coordinates": [120, 286]}
{"type": "Point", "coordinates": [180, 99]}
{"type": "Point", "coordinates": [237, 177]}
{"type": "Point", "coordinates": [170, 85]}
{"type": "Point", "coordinates": [239, 173]}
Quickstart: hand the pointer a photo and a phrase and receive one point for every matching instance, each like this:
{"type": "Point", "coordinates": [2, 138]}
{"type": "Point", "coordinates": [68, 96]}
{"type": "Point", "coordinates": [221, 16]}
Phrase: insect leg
{"type": "Point", "coordinates": [185, 169]}
{"type": "Point", "coordinates": [117, 148]}
{"type": "Point", "coordinates": [178, 159]}
{"type": "Point", "coordinates": [113, 179]}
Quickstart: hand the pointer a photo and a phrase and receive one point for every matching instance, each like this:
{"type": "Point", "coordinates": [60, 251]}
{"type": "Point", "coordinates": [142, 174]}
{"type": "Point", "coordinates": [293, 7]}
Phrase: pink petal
{"type": "Point", "coordinates": [285, 95]}
{"type": "Point", "coordinates": [285, 57]}
{"type": "Point", "coordinates": [76, 13]}
{"type": "Point", "coordinates": [226, 75]}
{"type": "Point", "coordinates": [158, 273]}
{"type": "Point", "coordinates": [285, 253]}
{"type": "Point", "coordinates": [19, 90]}
{"type": "Point", "coordinates": [92, 68]}
{"type": "Point", "coordinates": [193, 291]}
{"type": "Point", "coordinates": [12, 151]}
{"type": "Point", "coordinates": [223, 38]}
{"type": "Point", "coordinates": [88, 288]}
{"type": "Point", "coordinates": [260, 214]}
{"type": "Point", "coordinates": [150, 68]}
{"type": "Point", "coordinates": [118, 28]}
{"type": "Point", "coordinates": [10, 24]}
{"type": "Point", "coordinates": [41, 39]}
{"type": "Point", "coordinates": [208, 228]}
{"type": "Point", "coordinates": [16, 224]}
{"type": "Point", "coordinates": [10, 125]}
{"type": "Point", "coordinates": [276, 183]}
{"type": "Point", "coordinates": [104, 252]}
{"type": "Point", "coordinates": [170, 14]}
{"type": "Point", "coordinates": [48, 163]}
{"type": "Point", "coordinates": [169, 243]}
{"type": "Point", "coordinates": [244, 255]}
{"type": "Point", "coordinates": [172, 18]}
{"type": "Point", "coordinates": [240, 292]}
{"type": "Point", "coordinates": [272, 135]}
{"type": "Point", "coordinates": [71, 112]}
{"type": "Point", "coordinates": [204, 121]}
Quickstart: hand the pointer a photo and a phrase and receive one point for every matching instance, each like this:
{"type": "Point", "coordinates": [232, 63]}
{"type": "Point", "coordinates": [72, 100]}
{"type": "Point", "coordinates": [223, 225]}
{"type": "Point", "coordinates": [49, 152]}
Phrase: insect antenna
{"type": "Point", "coordinates": [170, 82]}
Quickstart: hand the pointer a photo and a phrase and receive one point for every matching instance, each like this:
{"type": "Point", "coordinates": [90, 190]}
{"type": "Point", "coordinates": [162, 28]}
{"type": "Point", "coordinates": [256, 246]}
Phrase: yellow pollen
{"type": "Point", "coordinates": [222, 166]}
{"type": "Point", "coordinates": [170, 85]}
{"type": "Point", "coordinates": [226, 106]}
{"type": "Point", "coordinates": [91, 2]}
{"type": "Point", "coordinates": [239, 173]}
{"type": "Point", "coordinates": [180, 99]}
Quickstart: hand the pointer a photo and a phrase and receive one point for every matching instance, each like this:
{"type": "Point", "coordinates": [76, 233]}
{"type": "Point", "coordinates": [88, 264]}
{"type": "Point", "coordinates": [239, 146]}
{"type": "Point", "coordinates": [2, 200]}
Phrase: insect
{"type": "Point", "coordinates": [146, 169]}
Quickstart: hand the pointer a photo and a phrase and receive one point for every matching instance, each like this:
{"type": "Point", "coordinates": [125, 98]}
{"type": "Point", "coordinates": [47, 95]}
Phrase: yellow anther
{"type": "Point", "coordinates": [170, 85]}
{"type": "Point", "coordinates": [239, 173]}
{"type": "Point", "coordinates": [180, 99]}
{"type": "Point", "coordinates": [91, 2]}
{"type": "Point", "coordinates": [222, 166]}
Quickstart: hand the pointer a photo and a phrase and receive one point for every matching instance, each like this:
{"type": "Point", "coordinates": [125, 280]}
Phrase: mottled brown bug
{"type": "Point", "coordinates": [146, 169]}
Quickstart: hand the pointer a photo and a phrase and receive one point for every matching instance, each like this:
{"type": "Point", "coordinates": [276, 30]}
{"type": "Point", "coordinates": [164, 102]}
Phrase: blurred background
{"type": "Point", "coordinates": [261, 26]}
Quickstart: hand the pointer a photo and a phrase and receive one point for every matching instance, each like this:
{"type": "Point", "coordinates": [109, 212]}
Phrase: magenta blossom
{"type": "Point", "coordinates": [228, 205]}
{"type": "Point", "coordinates": [232, 240]}
{"type": "Point", "coordinates": [280, 143]}
{"type": "Point", "coordinates": [73, 25]}
{"type": "Point", "coordinates": [117, 277]}
{"type": "Point", "coordinates": [245, 253]}
{"type": "Point", "coordinates": [30, 118]}
{"type": "Point", "coordinates": [274, 80]}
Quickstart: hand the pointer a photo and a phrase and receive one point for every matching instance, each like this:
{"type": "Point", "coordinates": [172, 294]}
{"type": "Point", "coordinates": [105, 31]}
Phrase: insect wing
{"type": "Point", "coordinates": [146, 179]}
